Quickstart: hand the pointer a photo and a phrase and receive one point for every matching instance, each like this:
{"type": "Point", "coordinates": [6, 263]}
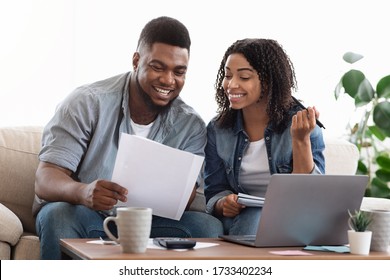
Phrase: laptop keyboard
{"type": "Point", "coordinates": [246, 237]}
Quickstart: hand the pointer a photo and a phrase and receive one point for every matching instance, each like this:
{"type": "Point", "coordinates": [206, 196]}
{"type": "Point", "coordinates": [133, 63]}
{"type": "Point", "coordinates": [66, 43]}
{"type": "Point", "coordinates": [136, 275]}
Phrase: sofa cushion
{"type": "Point", "coordinates": [341, 157]}
{"type": "Point", "coordinates": [19, 147]}
{"type": "Point", "coordinates": [10, 226]}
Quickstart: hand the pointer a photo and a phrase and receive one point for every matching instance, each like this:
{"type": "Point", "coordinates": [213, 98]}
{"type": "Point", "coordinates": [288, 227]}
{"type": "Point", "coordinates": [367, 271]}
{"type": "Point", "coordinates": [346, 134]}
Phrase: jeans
{"type": "Point", "coordinates": [245, 223]}
{"type": "Point", "coordinates": [58, 220]}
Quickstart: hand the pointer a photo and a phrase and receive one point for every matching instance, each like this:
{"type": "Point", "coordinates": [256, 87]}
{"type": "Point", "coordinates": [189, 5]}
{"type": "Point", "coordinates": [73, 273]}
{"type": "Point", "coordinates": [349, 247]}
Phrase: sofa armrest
{"type": "Point", "coordinates": [11, 228]}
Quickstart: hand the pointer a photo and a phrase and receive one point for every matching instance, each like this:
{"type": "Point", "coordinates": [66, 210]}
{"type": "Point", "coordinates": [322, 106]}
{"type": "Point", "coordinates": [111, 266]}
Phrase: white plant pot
{"type": "Point", "coordinates": [359, 242]}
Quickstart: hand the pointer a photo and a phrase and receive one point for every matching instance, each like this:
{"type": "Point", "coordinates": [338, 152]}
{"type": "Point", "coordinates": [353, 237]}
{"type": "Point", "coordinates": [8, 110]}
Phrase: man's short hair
{"type": "Point", "coordinates": [165, 30]}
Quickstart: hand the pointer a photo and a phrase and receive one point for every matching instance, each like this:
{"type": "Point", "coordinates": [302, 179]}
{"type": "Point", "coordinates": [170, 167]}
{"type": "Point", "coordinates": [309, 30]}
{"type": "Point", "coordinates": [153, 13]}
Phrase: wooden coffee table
{"type": "Point", "coordinates": [81, 249]}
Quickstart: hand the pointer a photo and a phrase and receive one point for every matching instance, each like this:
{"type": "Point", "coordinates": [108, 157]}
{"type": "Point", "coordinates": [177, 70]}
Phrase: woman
{"type": "Point", "coordinates": [259, 131]}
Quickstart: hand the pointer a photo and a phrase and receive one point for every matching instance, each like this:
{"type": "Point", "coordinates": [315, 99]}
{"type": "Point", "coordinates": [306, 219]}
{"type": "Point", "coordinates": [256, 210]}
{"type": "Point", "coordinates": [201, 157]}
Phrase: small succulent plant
{"type": "Point", "coordinates": [359, 220]}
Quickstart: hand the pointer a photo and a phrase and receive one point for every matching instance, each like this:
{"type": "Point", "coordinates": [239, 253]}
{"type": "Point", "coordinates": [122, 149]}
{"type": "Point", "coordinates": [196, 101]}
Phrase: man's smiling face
{"type": "Point", "coordinates": [160, 73]}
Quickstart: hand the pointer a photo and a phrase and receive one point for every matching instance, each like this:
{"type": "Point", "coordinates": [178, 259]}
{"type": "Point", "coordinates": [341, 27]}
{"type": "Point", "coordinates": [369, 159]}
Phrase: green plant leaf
{"type": "Point", "coordinates": [352, 57]}
{"type": "Point", "coordinates": [379, 188]}
{"type": "Point", "coordinates": [365, 91]}
{"type": "Point", "coordinates": [359, 102]}
{"type": "Point", "coordinates": [377, 132]}
{"type": "Point", "coordinates": [381, 116]}
{"type": "Point", "coordinates": [362, 168]}
{"type": "Point", "coordinates": [383, 87]}
{"type": "Point", "coordinates": [351, 81]}
{"type": "Point", "coordinates": [383, 161]}
{"type": "Point", "coordinates": [337, 90]}
{"type": "Point", "coordinates": [383, 175]}
{"type": "Point", "coordinates": [367, 193]}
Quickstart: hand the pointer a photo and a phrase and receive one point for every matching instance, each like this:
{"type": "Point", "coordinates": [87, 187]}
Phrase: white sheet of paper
{"type": "Point", "coordinates": [156, 175]}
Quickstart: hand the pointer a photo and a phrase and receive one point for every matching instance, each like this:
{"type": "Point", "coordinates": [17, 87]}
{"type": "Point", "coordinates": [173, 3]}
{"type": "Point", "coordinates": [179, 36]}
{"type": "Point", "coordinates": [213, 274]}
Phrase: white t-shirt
{"type": "Point", "coordinates": [254, 174]}
{"type": "Point", "coordinates": [140, 129]}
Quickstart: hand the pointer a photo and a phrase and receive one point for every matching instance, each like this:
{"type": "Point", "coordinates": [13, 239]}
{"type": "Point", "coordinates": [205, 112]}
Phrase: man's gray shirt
{"type": "Point", "coordinates": [83, 135]}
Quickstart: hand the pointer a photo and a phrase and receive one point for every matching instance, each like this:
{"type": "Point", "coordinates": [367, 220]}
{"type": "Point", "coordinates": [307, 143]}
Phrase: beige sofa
{"type": "Point", "coordinates": [19, 147]}
{"type": "Point", "coordinates": [18, 162]}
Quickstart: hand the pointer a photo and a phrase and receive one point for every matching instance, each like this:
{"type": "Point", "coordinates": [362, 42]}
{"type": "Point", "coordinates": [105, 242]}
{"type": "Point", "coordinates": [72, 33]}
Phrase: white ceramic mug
{"type": "Point", "coordinates": [380, 227]}
{"type": "Point", "coordinates": [134, 226]}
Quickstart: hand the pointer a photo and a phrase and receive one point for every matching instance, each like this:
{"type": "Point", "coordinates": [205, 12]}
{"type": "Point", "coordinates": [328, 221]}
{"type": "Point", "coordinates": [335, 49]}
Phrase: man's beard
{"type": "Point", "coordinates": [149, 102]}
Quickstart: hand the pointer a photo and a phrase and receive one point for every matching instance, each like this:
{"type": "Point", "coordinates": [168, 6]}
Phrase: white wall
{"type": "Point", "coordinates": [48, 47]}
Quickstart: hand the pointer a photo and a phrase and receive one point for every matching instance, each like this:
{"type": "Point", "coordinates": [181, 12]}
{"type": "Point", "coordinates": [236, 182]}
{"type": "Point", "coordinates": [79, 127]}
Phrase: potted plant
{"type": "Point", "coordinates": [371, 132]}
{"type": "Point", "coordinates": [358, 236]}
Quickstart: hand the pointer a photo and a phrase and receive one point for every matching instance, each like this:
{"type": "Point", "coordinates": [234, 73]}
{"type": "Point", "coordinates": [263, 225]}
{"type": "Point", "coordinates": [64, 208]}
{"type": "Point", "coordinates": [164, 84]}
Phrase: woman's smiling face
{"type": "Point", "coordinates": [241, 82]}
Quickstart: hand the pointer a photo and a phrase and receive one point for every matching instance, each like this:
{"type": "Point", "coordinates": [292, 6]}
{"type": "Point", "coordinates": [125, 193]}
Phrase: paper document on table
{"type": "Point", "coordinates": [156, 175]}
{"type": "Point", "coordinates": [250, 200]}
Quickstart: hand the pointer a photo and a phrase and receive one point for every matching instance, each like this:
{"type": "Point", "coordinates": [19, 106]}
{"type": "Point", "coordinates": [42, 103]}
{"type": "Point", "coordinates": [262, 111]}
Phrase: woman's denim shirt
{"type": "Point", "coordinates": [226, 147]}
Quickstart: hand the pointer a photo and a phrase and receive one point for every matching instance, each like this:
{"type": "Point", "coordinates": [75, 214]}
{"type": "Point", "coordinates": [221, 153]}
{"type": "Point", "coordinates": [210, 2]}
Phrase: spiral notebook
{"type": "Point", "coordinates": [303, 209]}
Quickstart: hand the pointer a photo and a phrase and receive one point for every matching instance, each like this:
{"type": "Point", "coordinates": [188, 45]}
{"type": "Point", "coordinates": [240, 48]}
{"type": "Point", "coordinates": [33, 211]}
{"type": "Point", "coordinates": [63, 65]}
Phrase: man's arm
{"type": "Point", "coordinates": [54, 183]}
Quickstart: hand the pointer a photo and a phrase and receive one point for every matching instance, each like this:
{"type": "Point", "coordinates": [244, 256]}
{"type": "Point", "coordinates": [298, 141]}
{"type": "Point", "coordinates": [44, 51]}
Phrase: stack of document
{"type": "Point", "coordinates": [250, 200]}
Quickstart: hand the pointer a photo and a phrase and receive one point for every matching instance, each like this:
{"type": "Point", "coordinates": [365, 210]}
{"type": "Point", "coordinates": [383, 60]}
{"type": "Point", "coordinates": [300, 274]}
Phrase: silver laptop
{"type": "Point", "coordinates": [303, 209]}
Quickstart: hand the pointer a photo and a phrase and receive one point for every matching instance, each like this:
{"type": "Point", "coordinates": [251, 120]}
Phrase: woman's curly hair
{"type": "Point", "coordinates": [277, 77]}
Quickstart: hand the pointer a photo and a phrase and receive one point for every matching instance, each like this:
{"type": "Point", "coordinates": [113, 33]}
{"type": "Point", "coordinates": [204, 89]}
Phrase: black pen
{"type": "Point", "coordinates": [303, 107]}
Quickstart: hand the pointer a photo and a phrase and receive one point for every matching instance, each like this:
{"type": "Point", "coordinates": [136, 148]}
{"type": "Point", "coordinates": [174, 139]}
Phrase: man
{"type": "Point", "coordinates": [81, 141]}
